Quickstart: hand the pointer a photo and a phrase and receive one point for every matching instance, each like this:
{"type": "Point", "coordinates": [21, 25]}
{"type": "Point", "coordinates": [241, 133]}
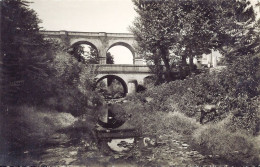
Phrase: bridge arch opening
{"type": "Point", "coordinates": [122, 52]}
{"type": "Point", "coordinates": [85, 51]}
{"type": "Point", "coordinates": [112, 86]}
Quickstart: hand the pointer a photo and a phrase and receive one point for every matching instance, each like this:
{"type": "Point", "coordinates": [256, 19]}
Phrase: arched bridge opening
{"type": "Point", "coordinates": [123, 53]}
{"type": "Point", "coordinates": [85, 51]}
{"type": "Point", "coordinates": [112, 86]}
{"type": "Point", "coordinates": [102, 41]}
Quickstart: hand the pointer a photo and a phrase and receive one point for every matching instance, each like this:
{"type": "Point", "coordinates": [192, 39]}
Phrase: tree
{"type": "Point", "coordinates": [78, 52]}
{"type": "Point", "coordinates": [85, 54]}
{"type": "Point", "coordinates": [89, 55]}
{"type": "Point", "coordinates": [155, 30]}
{"type": "Point", "coordinates": [187, 29]}
{"type": "Point", "coordinates": [23, 55]}
{"type": "Point", "coordinates": [110, 58]}
{"type": "Point", "coordinates": [92, 56]}
{"type": "Point", "coordinates": [247, 45]}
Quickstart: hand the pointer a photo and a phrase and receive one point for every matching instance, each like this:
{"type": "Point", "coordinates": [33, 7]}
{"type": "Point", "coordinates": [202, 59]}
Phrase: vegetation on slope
{"type": "Point", "coordinates": [230, 129]}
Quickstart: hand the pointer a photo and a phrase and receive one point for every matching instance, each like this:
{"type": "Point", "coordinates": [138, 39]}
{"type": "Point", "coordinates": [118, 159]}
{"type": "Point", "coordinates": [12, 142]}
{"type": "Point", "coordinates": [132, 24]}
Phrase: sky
{"type": "Point", "coordinates": [85, 15]}
{"type": "Point", "coordinates": [112, 16]}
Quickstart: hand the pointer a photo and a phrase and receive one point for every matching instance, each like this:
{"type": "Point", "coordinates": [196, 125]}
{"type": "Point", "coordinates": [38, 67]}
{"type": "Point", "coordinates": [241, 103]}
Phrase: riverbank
{"type": "Point", "coordinates": [52, 138]}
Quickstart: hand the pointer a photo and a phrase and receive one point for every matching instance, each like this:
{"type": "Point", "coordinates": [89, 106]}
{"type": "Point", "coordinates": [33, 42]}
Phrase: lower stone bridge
{"type": "Point", "coordinates": [130, 76]}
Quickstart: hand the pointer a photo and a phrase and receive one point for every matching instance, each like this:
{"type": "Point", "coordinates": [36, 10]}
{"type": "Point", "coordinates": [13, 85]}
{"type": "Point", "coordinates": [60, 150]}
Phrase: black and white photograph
{"type": "Point", "coordinates": [130, 83]}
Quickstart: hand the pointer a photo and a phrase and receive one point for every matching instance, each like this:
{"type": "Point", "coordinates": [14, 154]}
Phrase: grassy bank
{"type": "Point", "coordinates": [229, 130]}
{"type": "Point", "coordinates": [27, 127]}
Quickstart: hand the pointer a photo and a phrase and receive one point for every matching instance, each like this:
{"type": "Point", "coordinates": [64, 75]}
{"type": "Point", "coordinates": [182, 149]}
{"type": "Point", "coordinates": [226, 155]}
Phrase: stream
{"type": "Point", "coordinates": [74, 147]}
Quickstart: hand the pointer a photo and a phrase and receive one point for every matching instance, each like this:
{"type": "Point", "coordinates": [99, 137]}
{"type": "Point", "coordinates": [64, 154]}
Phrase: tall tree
{"type": "Point", "coordinates": [23, 49]}
{"type": "Point", "coordinates": [187, 28]}
{"type": "Point", "coordinates": [155, 30]}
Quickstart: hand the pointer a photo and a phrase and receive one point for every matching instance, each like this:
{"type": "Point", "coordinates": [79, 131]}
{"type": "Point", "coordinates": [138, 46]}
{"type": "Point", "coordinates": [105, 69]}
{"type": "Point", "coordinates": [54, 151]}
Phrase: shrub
{"type": "Point", "coordinates": [152, 122]}
{"type": "Point", "coordinates": [180, 123]}
{"type": "Point", "coordinates": [27, 127]}
{"type": "Point", "coordinates": [69, 87]}
{"type": "Point", "coordinates": [236, 147]}
{"type": "Point", "coordinates": [233, 90]}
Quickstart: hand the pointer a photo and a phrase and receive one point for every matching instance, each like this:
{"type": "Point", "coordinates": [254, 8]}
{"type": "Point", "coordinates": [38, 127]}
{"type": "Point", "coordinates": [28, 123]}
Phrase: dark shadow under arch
{"type": "Point", "coordinates": [117, 78]}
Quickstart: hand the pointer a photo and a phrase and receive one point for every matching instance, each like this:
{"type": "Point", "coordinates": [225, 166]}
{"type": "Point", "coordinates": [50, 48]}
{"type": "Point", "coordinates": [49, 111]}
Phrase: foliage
{"type": "Point", "coordinates": [247, 44]}
{"type": "Point", "coordinates": [230, 135]}
{"type": "Point", "coordinates": [85, 53]}
{"type": "Point", "coordinates": [171, 31]}
{"type": "Point", "coordinates": [114, 89]}
{"type": "Point", "coordinates": [217, 139]}
{"type": "Point", "coordinates": [24, 55]}
{"type": "Point", "coordinates": [89, 55]}
{"type": "Point", "coordinates": [154, 30]}
{"type": "Point", "coordinates": [234, 90]}
{"type": "Point", "coordinates": [237, 147]}
{"type": "Point", "coordinates": [78, 51]}
{"type": "Point", "coordinates": [69, 89]}
{"type": "Point", "coordinates": [38, 71]}
{"type": "Point", "coordinates": [92, 56]}
{"type": "Point", "coordinates": [28, 127]}
{"type": "Point", "coordinates": [110, 58]}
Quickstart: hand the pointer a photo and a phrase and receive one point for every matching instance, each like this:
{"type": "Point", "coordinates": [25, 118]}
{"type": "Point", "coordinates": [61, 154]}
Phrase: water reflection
{"type": "Point", "coordinates": [114, 130]}
{"type": "Point", "coordinates": [120, 145]}
{"type": "Point", "coordinates": [108, 119]}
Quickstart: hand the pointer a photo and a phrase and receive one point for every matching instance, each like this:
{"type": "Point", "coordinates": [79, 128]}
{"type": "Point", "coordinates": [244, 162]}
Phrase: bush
{"type": "Point", "coordinates": [27, 127]}
{"type": "Point", "coordinates": [143, 116]}
{"type": "Point", "coordinates": [180, 123]}
{"type": "Point", "coordinates": [229, 133]}
{"type": "Point", "coordinates": [69, 87]}
{"type": "Point", "coordinates": [114, 90]}
{"type": "Point", "coordinates": [218, 139]}
{"type": "Point", "coordinates": [237, 147]}
{"type": "Point", "coordinates": [42, 121]}
{"type": "Point", "coordinates": [234, 90]}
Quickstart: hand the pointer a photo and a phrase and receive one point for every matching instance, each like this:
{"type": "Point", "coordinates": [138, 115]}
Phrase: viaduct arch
{"type": "Point", "coordinates": [109, 76]}
{"type": "Point", "coordinates": [101, 41]}
{"type": "Point", "coordinates": [129, 75]}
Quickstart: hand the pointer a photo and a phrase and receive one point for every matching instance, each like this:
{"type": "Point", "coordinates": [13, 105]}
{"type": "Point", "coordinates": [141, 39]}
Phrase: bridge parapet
{"type": "Point", "coordinates": [50, 32]}
{"type": "Point", "coordinates": [121, 68]}
{"type": "Point", "coordinates": [93, 34]}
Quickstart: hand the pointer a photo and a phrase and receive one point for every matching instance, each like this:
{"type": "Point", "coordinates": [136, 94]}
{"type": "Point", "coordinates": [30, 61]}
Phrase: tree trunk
{"type": "Point", "coordinates": [165, 55]}
{"type": "Point", "coordinates": [183, 67]}
{"type": "Point", "coordinates": [191, 64]}
{"type": "Point", "coordinates": [183, 60]}
{"type": "Point", "coordinates": [157, 69]}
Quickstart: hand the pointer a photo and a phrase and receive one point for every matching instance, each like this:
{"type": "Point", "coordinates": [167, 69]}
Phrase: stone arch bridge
{"type": "Point", "coordinates": [101, 41]}
{"type": "Point", "coordinates": [128, 75]}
